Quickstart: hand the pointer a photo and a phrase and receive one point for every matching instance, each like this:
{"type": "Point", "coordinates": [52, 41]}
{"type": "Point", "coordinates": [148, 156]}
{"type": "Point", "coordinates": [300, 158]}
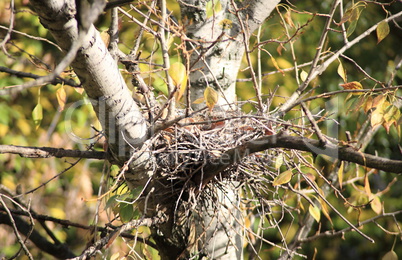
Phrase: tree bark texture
{"type": "Point", "coordinates": [117, 112]}
{"type": "Point", "coordinates": [217, 50]}
{"type": "Point", "coordinates": [216, 56]}
{"type": "Point", "coordinates": [215, 59]}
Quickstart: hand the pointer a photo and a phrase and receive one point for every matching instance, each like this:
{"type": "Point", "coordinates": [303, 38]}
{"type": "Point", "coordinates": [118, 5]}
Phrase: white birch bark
{"type": "Point", "coordinates": [119, 115]}
{"type": "Point", "coordinates": [221, 49]}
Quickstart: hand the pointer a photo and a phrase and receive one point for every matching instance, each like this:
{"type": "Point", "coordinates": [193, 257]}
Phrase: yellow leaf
{"type": "Point", "coordinates": [391, 255]}
{"type": "Point", "coordinates": [342, 72]}
{"type": "Point", "coordinates": [303, 75]}
{"type": "Point", "coordinates": [283, 178]}
{"type": "Point", "coordinates": [377, 117]}
{"type": "Point", "coordinates": [115, 256]}
{"type": "Point", "coordinates": [367, 188]}
{"type": "Point", "coordinates": [353, 85]}
{"type": "Point", "coordinates": [382, 31]}
{"type": "Point", "coordinates": [351, 28]}
{"type": "Point", "coordinates": [61, 98]}
{"type": "Point", "coordinates": [23, 126]}
{"type": "Point", "coordinates": [37, 115]}
{"type": "Point", "coordinates": [314, 212]}
{"type": "Point", "coordinates": [211, 97]}
{"type": "Point", "coordinates": [368, 104]}
{"type": "Point", "coordinates": [355, 14]}
{"type": "Point", "coordinates": [288, 18]}
{"type": "Point", "coordinates": [275, 63]}
{"type": "Point", "coordinates": [325, 211]}
{"type": "Point", "coordinates": [199, 100]}
{"type": "Point", "coordinates": [375, 204]}
{"type": "Point", "coordinates": [340, 175]}
{"type": "Point", "coordinates": [279, 161]}
{"type": "Point", "coordinates": [378, 100]}
{"type": "Point", "coordinates": [178, 73]}
{"type": "Point", "coordinates": [391, 116]}
{"type": "Point", "coordinates": [226, 24]}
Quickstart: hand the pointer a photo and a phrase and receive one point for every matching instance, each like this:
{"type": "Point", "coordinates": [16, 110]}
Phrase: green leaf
{"type": "Point", "coordinates": [351, 28]}
{"type": "Point", "coordinates": [111, 202]}
{"type": "Point", "coordinates": [37, 115]}
{"type": "Point", "coordinates": [382, 31]}
{"type": "Point", "coordinates": [126, 212]}
{"type": "Point", "coordinates": [283, 178]}
{"type": "Point", "coordinates": [213, 7]}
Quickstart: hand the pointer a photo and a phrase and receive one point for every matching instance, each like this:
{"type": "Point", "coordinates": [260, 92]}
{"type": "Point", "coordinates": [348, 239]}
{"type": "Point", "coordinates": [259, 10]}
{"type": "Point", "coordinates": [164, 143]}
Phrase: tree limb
{"type": "Point", "coordinates": [47, 152]}
{"type": "Point", "coordinates": [67, 223]}
{"type": "Point", "coordinates": [60, 251]}
{"type": "Point", "coordinates": [116, 110]}
{"type": "Point", "coordinates": [21, 74]}
{"type": "Point", "coordinates": [282, 140]}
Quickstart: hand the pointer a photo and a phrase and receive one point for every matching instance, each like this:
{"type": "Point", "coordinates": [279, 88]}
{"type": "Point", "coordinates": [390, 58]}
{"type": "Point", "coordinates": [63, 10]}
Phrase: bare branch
{"type": "Point", "coordinates": [47, 152]}
{"type": "Point", "coordinates": [107, 240]}
{"type": "Point", "coordinates": [60, 251]}
{"type": "Point", "coordinates": [331, 233]}
{"type": "Point", "coordinates": [344, 153]}
{"type": "Point", "coordinates": [21, 74]}
{"type": "Point", "coordinates": [315, 71]}
{"type": "Point", "coordinates": [15, 228]}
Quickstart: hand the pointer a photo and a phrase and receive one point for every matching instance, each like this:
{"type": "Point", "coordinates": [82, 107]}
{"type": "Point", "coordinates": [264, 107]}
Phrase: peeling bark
{"type": "Point", "coordinates": [117, 112]}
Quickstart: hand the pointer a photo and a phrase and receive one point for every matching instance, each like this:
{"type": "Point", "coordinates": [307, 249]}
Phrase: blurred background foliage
{"type": "Point", "coordinates": [73, 194]}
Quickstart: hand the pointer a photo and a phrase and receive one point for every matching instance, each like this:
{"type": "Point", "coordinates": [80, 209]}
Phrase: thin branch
{"type": "Point", "coordinates": [166, 62]}
{"type": "Point", "coordinates": [315, 71]}
{"type": "Point", "coordinates": [313, 123]}
{"type": "Point", "coordinates": [9, 29]}
{"type": "Point", "coordinates": [312, 185]}
{"type": "Point", "coordinates": [15, 228]}
{"type": "Point", "coordinates": [32, 37]}
{"type": "Point", "coordinates": [47, 152]}
{"type": "Point", "coordinates": [362, 70]}
{"type": "Point", "coordinates": [89, 16]}
{"type": "Point", "coordinates": [56, 72]}
{"type": "Point", "coordinates": [108, 240]}
{"type": "Point", "coordinates": [67, 223]}
{"type": "Point", "coordinates": [333, 93]}
{"type": "Point", "coordinates": [21, 74]}
{"type": "Point", "coordinates": [331, 233]}
{"type": "Point", "coordinates": [246, 37]}
{"type": "Point", "coordinates": [306, 64]}
{"type": "Point", "coordinates": [60, 251]}
{"type": "Point", "coordinates": [314, 66]}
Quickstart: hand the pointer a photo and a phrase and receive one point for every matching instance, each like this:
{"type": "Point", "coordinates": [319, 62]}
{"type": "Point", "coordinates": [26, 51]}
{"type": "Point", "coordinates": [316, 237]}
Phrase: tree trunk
{"type": "Point", "coordinates": [217, 50]}
{"type": "Point", "coordinates": [210, 230]}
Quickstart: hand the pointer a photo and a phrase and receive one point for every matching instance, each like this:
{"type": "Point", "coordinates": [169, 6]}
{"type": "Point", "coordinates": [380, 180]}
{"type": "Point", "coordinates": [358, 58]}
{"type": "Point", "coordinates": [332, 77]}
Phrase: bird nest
{"type": "Point", "coordinates": [183, 150]}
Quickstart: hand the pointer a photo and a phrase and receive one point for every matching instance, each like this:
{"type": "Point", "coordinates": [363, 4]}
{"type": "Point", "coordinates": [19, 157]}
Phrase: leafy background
{"type": "Point", "coordinates": [73, 194]}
